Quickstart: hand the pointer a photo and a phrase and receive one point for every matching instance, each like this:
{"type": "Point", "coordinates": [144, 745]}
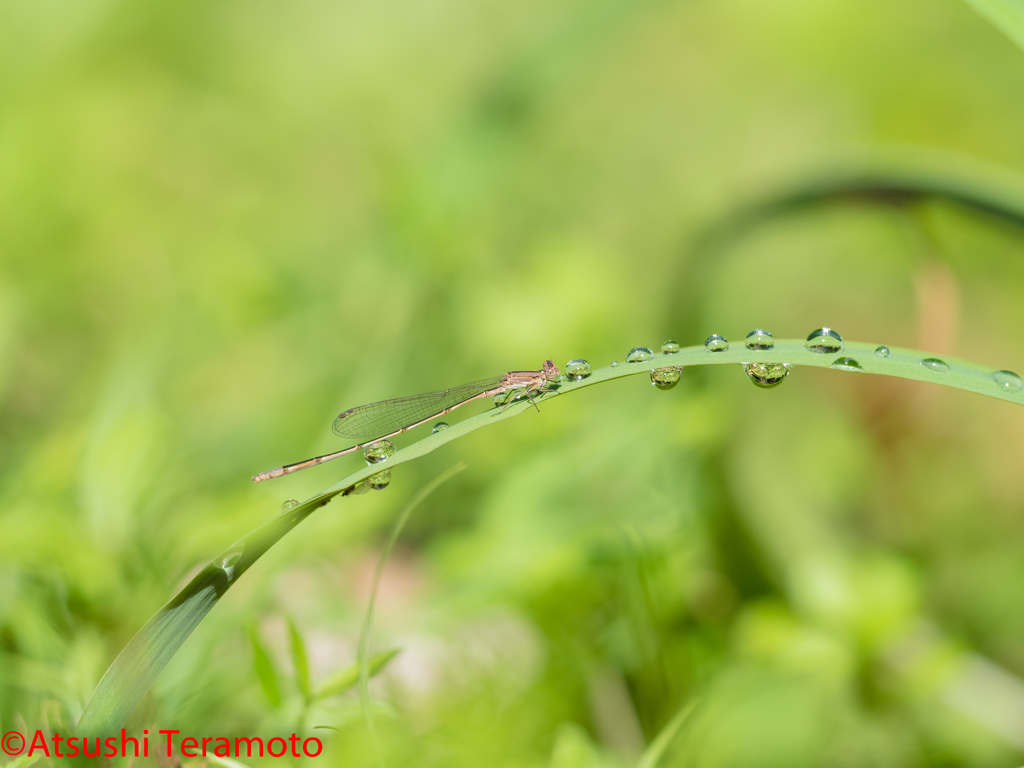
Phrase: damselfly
{"type": "Point", "coordinates": [387, 418]}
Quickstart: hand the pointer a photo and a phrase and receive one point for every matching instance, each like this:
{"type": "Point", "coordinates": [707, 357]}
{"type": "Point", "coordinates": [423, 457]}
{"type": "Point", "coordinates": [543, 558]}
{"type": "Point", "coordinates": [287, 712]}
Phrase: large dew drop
{"type": "Point", "coordinates": [666, 378]}
{"type": "Point", "coordinates": [441, 425]}
{"type": "Point", "coordinates": [767, 375]}
{"type": "Point", "coordinates": [759, 339]}
{"type": "Point", "coordinates": [577, 369]}
{"type": "Point", "coordinates": [882, 351]}
{"type": "Point", "coordinates": [716, 343]}
{"type": "Point", "coordinates": [289, 504]}
{"type": "Point", "coordinates": [670, 347]}
{"type": "Point", "coordinates": [935, 364]}
{"type": "Point", "coordinates": [846, 364]}
{"type": "Point", "coordinates": [824, 341]}
{"type": "Point", "coordinates": [1008, 381]}
{"type": "Point", "coordinates": [380, 451]}
{"type": "Point", "coordinates": [381, 480]}
{"type": "Point", "coordinates": [639, 355]}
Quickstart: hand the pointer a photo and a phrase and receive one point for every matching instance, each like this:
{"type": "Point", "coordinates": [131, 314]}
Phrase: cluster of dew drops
{"type": "Point", "coordinates": [767, 375]}
{"type": "Point", "coordinates": [823, 341]}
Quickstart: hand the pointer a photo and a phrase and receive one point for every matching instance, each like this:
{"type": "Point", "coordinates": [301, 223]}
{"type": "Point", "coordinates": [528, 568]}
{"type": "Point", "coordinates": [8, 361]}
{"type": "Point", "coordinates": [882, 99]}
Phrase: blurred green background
{"type": "Point", "coordinates": [223, 222]}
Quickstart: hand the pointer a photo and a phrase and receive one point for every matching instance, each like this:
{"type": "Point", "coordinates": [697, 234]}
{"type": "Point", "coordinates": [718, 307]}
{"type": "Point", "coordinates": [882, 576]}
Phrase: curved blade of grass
{"type": "Point", "coordinates": [264, 667]}
{"type": "Point", "coordinates": [348, 677]}
{"type": "Point", "coordinates": [1005, 15]}
{"type": "Point", "coordinates": [136, 668]}
{"type": "Point", "coordinates": [653, 754]}
{"type": "Point", "coordinates": [364, 635]}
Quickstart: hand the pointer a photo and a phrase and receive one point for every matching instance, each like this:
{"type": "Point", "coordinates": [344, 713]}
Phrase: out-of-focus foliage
{"type": "Point", "coordinates": [223, 222]}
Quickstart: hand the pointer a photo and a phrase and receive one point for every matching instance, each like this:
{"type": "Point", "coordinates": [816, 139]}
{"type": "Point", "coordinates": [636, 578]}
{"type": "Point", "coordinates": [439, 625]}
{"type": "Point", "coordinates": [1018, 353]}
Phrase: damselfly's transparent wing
{"type": "Point", "coordinates": [375, 420]}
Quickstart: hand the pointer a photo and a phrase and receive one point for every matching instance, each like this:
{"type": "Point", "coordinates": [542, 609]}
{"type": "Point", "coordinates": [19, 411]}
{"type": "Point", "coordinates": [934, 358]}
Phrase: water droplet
{"type": "Point", "coordinates": [639, 355]}
{"type": "Point", "coordinates": [380, 451]}
{"type": "Point", "coordinates": [438, 427]}
{"type": "Point", "coordinates": [824, 341]}
{"type": "Point", "coordinates": [230, 560]}
{"type": "Point", "coordinates": [1008, 381]}
{"type": "Point", "coordinates": [666, 378]}
{"type": "Point", "coordinates": [289, 504]}
{"type": "Point", "coordinates": [759, 339]}
{"type": "Point", "coordinates": [504, 398]}
{"type": "Point", "coordinates": [882, 351]}
{"type": "Point", "coordinates": [767, 375]}
{"type": "Point", "coordinates": [846, 364]}
{"type": "Point", "coordinates": [614, 363]}
{"type": "Point", "coordinates": [716, 343]}
{"type": "Point", "coordinates": [578, 369]}
{"type": "Point", "coordinates": [670, 347]}
{"type": "Point", "coordinates": [935, 364]}
{"type": "Point", "coordinates": [381, 480]}
{"type": "Point", "coordinates": [363, 486]}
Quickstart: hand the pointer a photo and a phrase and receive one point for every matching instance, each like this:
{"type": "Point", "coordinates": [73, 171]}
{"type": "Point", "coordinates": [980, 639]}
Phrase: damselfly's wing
{"type": "Point", "coordinates": [376, 420]}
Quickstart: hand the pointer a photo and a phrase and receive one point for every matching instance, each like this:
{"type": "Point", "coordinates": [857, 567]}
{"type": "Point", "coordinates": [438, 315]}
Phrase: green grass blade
{"type": "Point", "coordinates": [300, 660]}
{"type": "Point", "coordinates": [348, 677]}
{"type": "Point", "coordinates": [664, 739]}
{"type": "Point", "coordinates": [136, 668]}
{"type": "Point", "coordinates": [264, 668]}
{"type": "Point", "coordinates": [1006, 15]}
{"type": "Point", "coordinates": [363, 665]}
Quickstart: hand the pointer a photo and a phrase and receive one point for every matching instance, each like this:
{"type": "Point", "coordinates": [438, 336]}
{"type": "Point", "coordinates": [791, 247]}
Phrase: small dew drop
{"type": "Point", "coordinates": [363, 486]}
{"type": "Point", "coordinates": [824, 341]}
{"type": "Point", "coordinates": [578, 369]}
{"type": "Point", "coordinates": [289, 504]}
{"type": "Point", "coordinates": [639, 355]}
{"type": "Point", "coordinates": [381, 480]}
{"type": "Point", "coordinates": [716, 343]}
{"type": "Point", "coordinates": [935, 364]}
{"type": "Point", "coordinates": [882, 351]}
{"type": "Point", "coordinates": [1008, 381]}
{"type": "Point", "coordinates": [759, 339]}
{"type": "Point", "coordinates": [767, 375]}
{"type": "Point", "coordinates": [504, 398]}
{"type": "Point", "coordinates": [438, 427]}
{"type": "Point", "coordinates": [614, 363]}
{"type": "Point", "coordinates": [666, 378]}
{"type": "Point", "coordinates": [670, 347]}
{"type": "Point", "coordinates": [846, 364]}
{"type": "Point", "coordinates": [380, 451]}
{"type": "Point", "coordinates": [230, 560]}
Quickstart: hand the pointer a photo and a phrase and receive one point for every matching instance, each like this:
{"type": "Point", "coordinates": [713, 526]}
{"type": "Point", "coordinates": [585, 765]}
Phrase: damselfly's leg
{"type": "Point", "coordinates": [532, 401]}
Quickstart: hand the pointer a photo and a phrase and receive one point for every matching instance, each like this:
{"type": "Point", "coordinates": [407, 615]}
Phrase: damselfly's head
{"type": "Point", "coordinates": [550, 370]}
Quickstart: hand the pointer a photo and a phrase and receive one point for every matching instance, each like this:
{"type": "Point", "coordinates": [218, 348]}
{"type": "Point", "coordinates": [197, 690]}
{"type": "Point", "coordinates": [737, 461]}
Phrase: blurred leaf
{"type": "Point", "coordinates": [574, 749]}
{"type": "Point", "coordinates": [299, 659]}
{"type": "Point", "coordinates": [1006, 15]}
{"type": "Point", "coordinates": [264, 668]}
{"type": "Point", "coordinates": [663, 741]}
{"type": "Point", "coordinates": [21, 762]}
{"type": "Point", "coordinates": [346, 678]}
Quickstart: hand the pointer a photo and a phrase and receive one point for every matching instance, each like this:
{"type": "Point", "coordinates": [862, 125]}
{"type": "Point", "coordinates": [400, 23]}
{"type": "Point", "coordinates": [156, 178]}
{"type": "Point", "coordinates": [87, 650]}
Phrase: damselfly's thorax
{"type": "Point", "coordinates": [530, 379]}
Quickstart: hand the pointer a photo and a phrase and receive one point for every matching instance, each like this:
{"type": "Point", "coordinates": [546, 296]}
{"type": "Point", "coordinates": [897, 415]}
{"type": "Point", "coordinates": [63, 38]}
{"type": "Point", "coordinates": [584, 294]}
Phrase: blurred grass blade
{"type": "Point", "coordinates": [1006, 15]}
{"type": "Point", "coordinates": [226, 762]}
{"type": "Point", "coordinates": [264, 666]}
{"type": "Point", "coordinates": [22, 762]}
{"type": "Point", "coordinates": [299, 659]}
{"type": "Point", "coordinates": [137, 666]}
{"type": "Point", "coordinates": [664, 739]}
{"type": "Point", "coordinates": [393, 534]}
{"type": "Point", "coordinates": [346, 678]}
